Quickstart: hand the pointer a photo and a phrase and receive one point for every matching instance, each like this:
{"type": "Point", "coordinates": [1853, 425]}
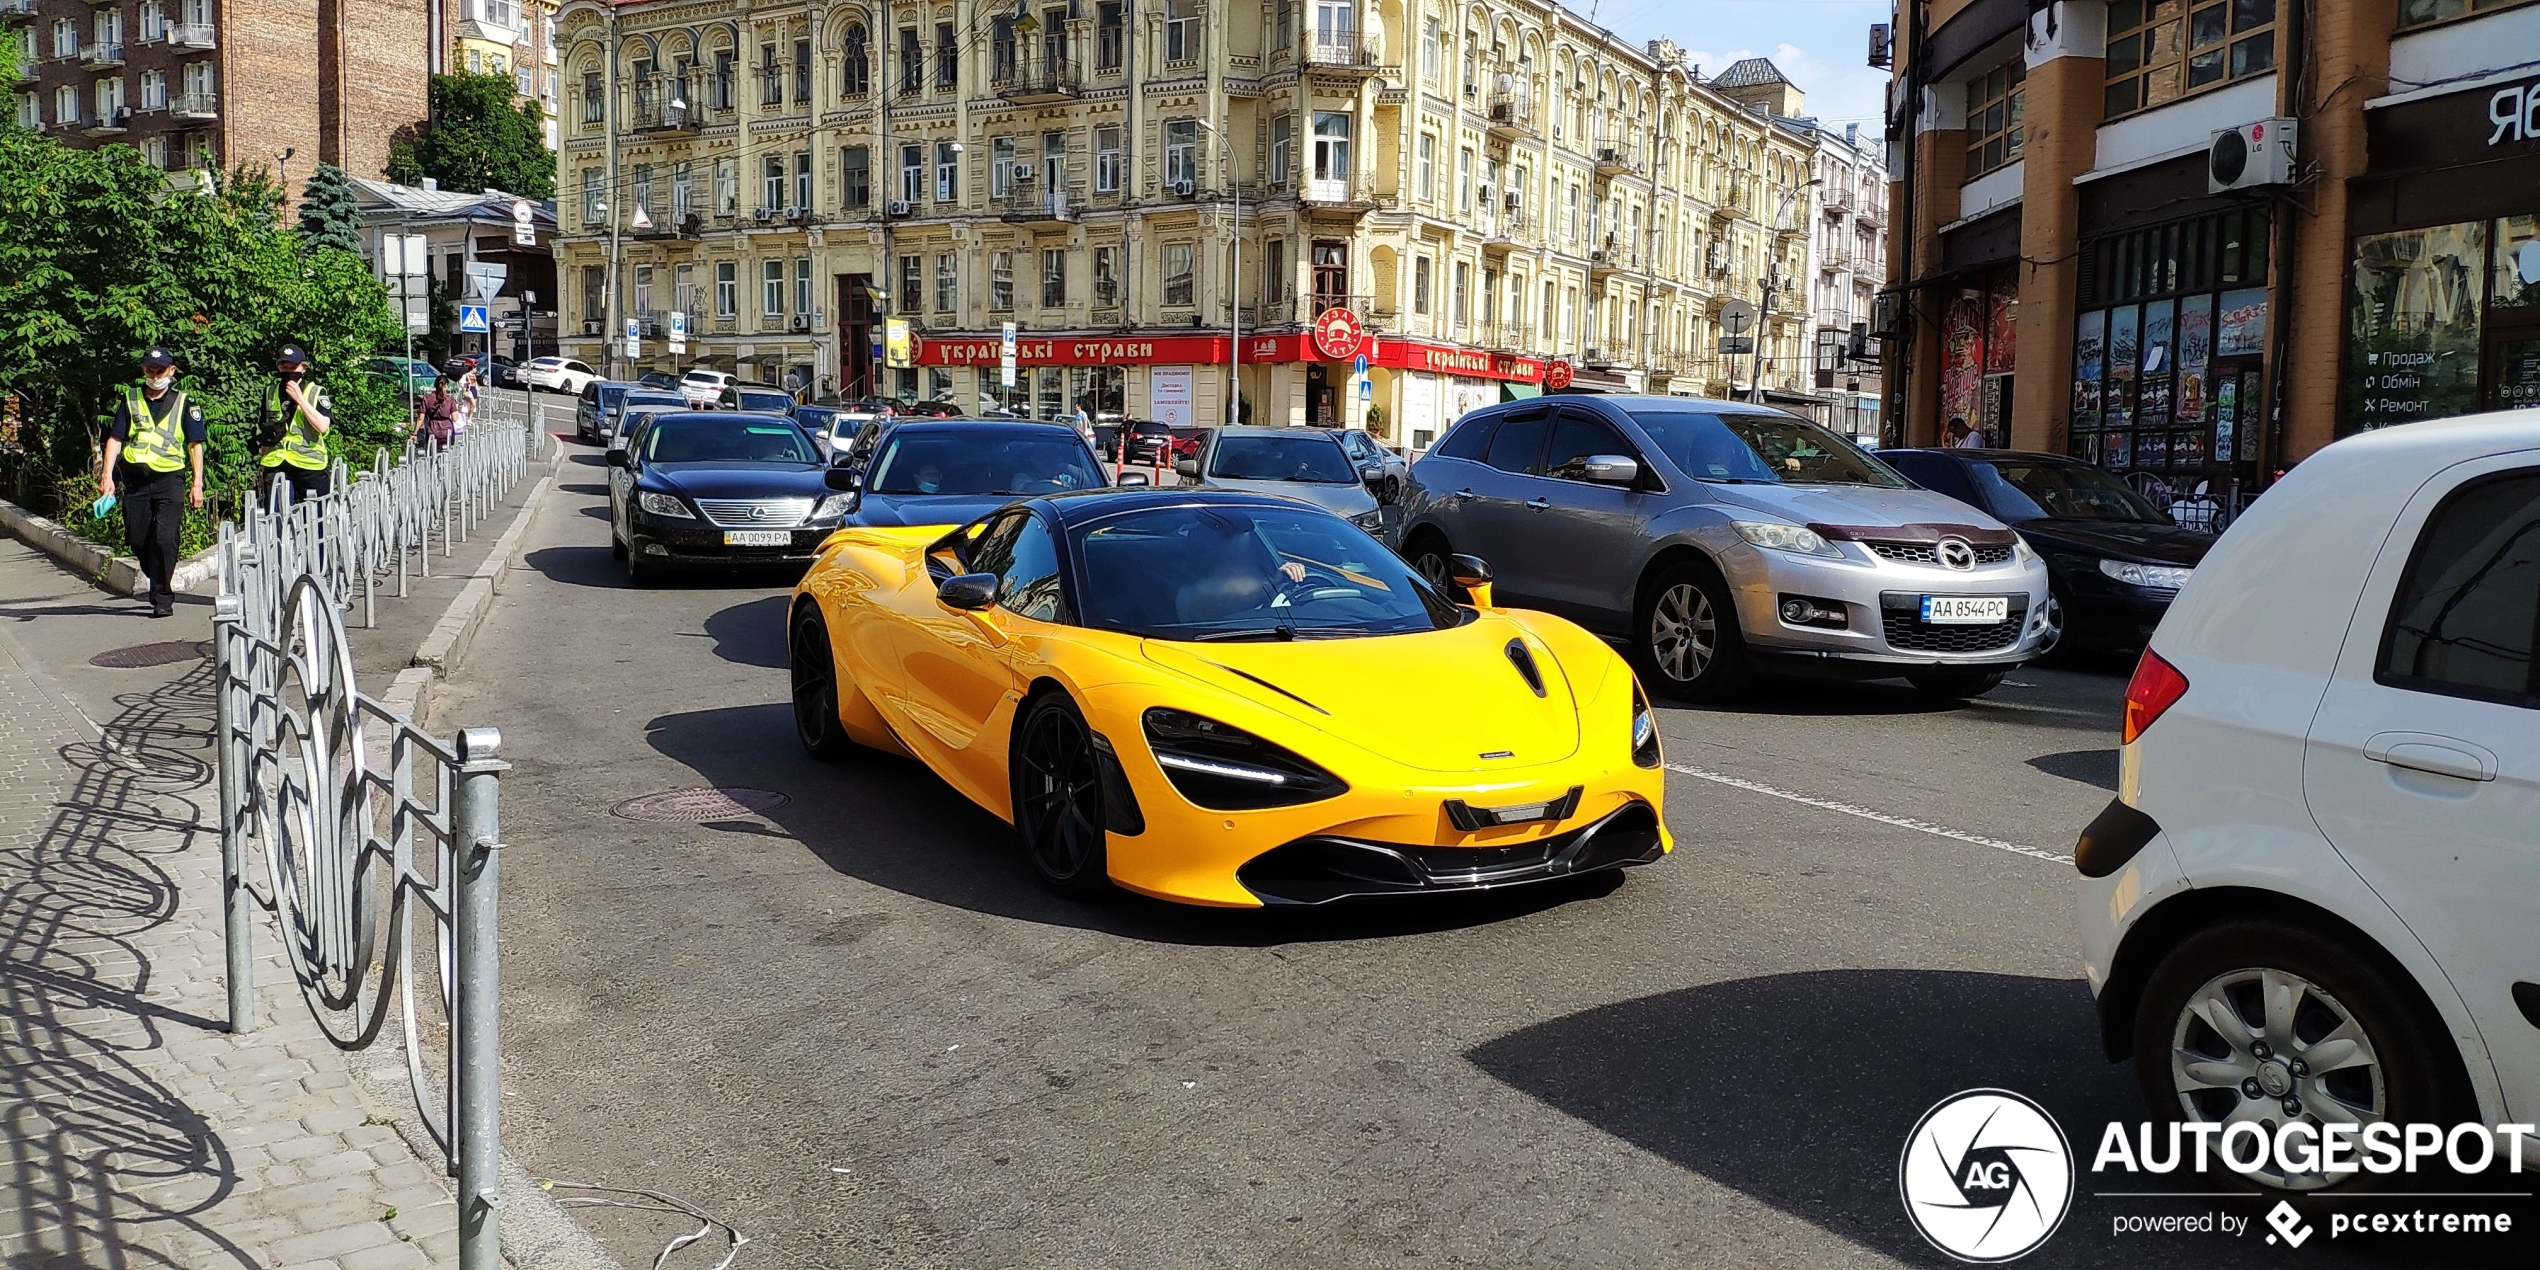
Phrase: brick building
{"type": "Point", "coordinates": [2076, 281]}
{"type": "Point", "coordinates": [505, 37]}
{"type": "Point", "coordinates": [190, 82]}
{"type": "Point", "coordinates": [1502, 194]}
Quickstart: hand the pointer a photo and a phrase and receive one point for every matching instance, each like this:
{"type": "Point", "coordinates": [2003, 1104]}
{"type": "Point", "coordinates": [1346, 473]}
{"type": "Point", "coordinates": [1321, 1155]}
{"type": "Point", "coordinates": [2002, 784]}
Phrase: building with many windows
{"type": "Point", "coordinates": [506, 37]}
{"type": "Point", "coordinates": [2194, 242]}
{"type": "Point", "coordinates": [1168, 198]}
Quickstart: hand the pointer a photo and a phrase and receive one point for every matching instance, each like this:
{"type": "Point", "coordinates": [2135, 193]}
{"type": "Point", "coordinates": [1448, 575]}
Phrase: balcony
{"type": "Point", "coordinates": [1834, 257]}
{"type": "Point", "coordinates": [1341, 197]}
{"type": "Point", "coordinates": [1608, 260]}
{"type": "Point", "coordinates": [672, 226]}
{"type": "Point", "coordinates": [1503, 233]}
{"type": "Point", "coordinates": [1028, 204]}
{"type": "Point", "coordinates": [16, 9]}
{"type": "Point", "coordinates": [1512, 116]}
{"type": "Point", "coordinates": [26, 71]}
{"type": "Point", "coordinates": [1616, 160]}
{"type": "Point", "coordinates": [1343, 53]}
{"type": "Point", "coordinates": [111, 123]}
{"type": "Point", "coordinates": [190, 109]}
{"type": "Point", "coordinates": [98, 55]}
{"type": "Point", "coordinates": [1053, 79]}
{"type": "Point", "coordinates": [1505, 337]}
{"type": "Point", "coordinates": [192, 35]}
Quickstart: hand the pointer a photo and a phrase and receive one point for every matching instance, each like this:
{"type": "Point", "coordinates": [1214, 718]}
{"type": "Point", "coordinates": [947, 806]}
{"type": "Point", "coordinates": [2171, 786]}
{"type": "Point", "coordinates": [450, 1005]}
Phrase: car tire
{"type": "Point", "coordinates": [2233, 968]}
{"type": "Point", "coordinates": [640, 574]}
{"type": "Point", "coordinates": [1058, 805]}
{"type": "Point", "coordinates": [1956, 685]}
{"type": "Point", "coordinates": [1686, 638]}
{"type": "Point", "coordinates": [1427, 555]}
{"type": "Point", "coordinates": [814, 673]}
{"type": "Point", "coordinates": [617, 546]}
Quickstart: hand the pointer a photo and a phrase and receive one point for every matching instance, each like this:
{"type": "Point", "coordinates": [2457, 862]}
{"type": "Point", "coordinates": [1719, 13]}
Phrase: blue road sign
{"type": "Point", "coordinates": [472, 320]}
{"type": "Point", "coordinates": [1362, 363]}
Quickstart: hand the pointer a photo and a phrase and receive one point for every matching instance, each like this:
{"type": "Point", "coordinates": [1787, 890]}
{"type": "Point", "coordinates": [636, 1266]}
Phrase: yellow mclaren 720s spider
{"type": "Point", "coordinates": [1229, 699]}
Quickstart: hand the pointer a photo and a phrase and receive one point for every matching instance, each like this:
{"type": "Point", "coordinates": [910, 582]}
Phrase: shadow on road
{"type": "Point", "coordinates": [890, 822]}
{"type": "Point", "coordinates": [2090, 767]}
{"type": "Point", "coordinates": [751, 633]}
{"type": "Point", "coordinates": [579, 566]}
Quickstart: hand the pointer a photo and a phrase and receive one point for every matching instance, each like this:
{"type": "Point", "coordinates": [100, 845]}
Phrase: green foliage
{"type": "Point", "coordinates": [328, 216]}
{"type": "Point", "coordinates": [1376, 419]}
{"type": "Point", "coordinates": [477, 140]}
{"type": "Point", "coordinates": [99, 260]}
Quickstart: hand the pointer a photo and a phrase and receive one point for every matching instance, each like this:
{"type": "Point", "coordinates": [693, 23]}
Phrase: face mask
{"type": "Point", "coordinates": [294, 374]}
{"type": "Point", "coordinates": [159, 383]}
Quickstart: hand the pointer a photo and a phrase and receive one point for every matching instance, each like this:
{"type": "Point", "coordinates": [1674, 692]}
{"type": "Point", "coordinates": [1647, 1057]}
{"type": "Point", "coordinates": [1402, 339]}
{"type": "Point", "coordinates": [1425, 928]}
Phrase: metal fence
{"type": "Point", "coordinates": [346, 820]}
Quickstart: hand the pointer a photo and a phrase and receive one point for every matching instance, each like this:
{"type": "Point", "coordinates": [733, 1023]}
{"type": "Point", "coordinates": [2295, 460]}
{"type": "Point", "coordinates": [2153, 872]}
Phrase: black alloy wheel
{"type": "Point", "coordinates": [815, 676]}
{"type": "Point", "coordinates": [1956, 685]}
{"type": "Point", "coordinates": [1430, 558]}
{"type": "Point", "coordinates": [1058, 798]}
{"type": "Point", "coordinates": [1687, 640]}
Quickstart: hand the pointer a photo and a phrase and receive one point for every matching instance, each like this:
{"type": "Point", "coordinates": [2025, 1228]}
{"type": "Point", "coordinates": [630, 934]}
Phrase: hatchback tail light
{"type": "Point", "coordinates": [2156, 686]}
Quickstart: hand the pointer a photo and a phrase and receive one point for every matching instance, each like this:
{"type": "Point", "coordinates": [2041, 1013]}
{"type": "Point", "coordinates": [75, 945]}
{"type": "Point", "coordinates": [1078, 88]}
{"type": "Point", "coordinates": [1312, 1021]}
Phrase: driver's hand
{"type": "Point", "coordinates": [1292, 571]}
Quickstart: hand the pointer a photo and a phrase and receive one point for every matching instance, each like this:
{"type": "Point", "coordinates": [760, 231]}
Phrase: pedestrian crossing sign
{"type": "Point", "coordinates": [472, 320]}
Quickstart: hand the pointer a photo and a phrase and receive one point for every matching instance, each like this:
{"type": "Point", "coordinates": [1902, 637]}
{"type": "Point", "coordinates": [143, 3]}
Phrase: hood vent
{"type": "Point", "coordinates": [1524, 661]}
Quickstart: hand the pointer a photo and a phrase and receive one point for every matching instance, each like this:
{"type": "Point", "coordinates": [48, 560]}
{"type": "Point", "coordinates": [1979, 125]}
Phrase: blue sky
{"type": "Point", "coordinates": [1820, 44]}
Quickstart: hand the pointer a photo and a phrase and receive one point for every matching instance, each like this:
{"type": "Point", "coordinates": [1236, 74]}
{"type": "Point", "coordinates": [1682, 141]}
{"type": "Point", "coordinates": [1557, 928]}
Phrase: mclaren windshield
{"type": "Point", "coordinates": [1220, 571]}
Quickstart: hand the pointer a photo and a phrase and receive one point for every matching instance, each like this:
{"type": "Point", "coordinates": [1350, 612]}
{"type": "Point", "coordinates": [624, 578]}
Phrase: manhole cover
{"type": "Point", "coordinates": [162, 654]}
{"type": "Point", "coordinates": [694, 806]}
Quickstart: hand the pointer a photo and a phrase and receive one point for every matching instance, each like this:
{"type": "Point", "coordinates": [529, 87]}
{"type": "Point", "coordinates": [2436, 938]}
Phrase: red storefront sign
{"type": "Point", "coordinates": [1445, 359]}
{"type": "Point", "coordinates": [1075, 350]}
{"type": "Point", "coordinates": [1558, 377]}
{"type": "Point", "coordinates": [1337, 333]}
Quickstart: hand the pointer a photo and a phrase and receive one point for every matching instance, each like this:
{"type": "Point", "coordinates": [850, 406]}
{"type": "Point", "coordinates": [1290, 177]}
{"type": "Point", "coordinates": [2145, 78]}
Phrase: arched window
{"type": "Point", "coordinates": [857, 68]}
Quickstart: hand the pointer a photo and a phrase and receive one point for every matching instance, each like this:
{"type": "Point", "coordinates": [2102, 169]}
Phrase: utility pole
{"type": "Point", "coordinates": [1235, 284]}
{"type": "Point", "coordinates": [1772, 283]}
{"type": "Point", "coordinates": [609, 123]}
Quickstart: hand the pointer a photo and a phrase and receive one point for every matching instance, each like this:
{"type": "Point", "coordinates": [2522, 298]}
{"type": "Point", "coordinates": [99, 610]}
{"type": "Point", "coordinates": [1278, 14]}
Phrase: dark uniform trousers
{"type": "Point", "coordinates": [305, 483]}
{"type": "Point", "coordinates": [153, 513]}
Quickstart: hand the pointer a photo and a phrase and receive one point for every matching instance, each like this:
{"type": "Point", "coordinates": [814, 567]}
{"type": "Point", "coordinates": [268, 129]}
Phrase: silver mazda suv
{"type": "Point", "coordinates": [1722, 539]}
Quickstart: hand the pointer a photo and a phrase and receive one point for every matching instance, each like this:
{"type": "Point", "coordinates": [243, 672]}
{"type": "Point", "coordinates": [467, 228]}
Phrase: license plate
{"type": "Point", "coordinates": [1966, 610]}
{"type": "Point", "coordinates": [758, 538]}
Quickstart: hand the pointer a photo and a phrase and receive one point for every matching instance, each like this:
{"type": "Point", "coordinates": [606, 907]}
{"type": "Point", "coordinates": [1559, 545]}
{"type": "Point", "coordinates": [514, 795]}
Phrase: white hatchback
{"type": "Point", "coordinates": [2317, 894]}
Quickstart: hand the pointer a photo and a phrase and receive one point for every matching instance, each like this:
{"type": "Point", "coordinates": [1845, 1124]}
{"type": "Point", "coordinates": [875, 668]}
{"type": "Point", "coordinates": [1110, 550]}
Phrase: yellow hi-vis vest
{"type": "Point", "coordinates": [155, 443]}
{"type": "Point", "coordinates": [301, 446]}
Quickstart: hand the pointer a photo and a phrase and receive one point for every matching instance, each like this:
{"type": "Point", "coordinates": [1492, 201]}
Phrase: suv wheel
{"type": "Point", "coordinates": [1687, 638]}
{"type": "Point", "coordinates": [1428, 556]}
{"type": "Point", "coordinates": [2266, 1022]}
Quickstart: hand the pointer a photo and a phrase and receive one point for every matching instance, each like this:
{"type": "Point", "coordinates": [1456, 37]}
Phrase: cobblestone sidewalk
{"type": "Point", "coordinates": [135, 1131]}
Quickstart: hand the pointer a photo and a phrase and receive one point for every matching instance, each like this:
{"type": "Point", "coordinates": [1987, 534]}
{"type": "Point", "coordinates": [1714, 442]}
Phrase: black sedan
{"type": "Point", "coordinates": [2114, 559]}
{"type": "Point", "coordinates": [718, 488]}
{"type": "Point", "coordinates": [954, 471]}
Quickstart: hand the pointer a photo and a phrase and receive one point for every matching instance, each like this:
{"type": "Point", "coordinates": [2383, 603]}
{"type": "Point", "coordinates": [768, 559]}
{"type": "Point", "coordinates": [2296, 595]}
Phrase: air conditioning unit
{"type": "Point", "coordinates": [801, 322]}
{"type": "Point", "coordinates": [791, 212]}
{"type": "Point", "coordinates": [766, 214]}
{"type": "Point", "coordinates": [591, 328]}
{"type": "Point", "coordinates": [1715, 258]}
{"type": "Point", "coordinates": [1502, 112]}
{"type": "Point", "coordinates": [1515, 202]}
{"type": "Point", "coordinates": [2251, 156]}
{"type": "Point", "coordinates": [1593, 354]}
{"type": "Point", "coordinates": [899, 208]}
{"type": "Point", "coordinates": [1185, 189]}
{"type": "Point", "coordinates": [1024, 172]}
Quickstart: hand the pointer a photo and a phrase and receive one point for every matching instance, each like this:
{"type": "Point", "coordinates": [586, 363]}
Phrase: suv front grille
{"type": "Point", "coordinates": [771, 513]}
{"type": "Point", "coordinates": [1900, 613]}
{"type": "Point", "coordinates": [1929, 552]}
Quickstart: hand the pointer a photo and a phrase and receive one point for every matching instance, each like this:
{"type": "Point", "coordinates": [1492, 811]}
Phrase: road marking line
{"type": "Point", "coordinates": [1847, 809]}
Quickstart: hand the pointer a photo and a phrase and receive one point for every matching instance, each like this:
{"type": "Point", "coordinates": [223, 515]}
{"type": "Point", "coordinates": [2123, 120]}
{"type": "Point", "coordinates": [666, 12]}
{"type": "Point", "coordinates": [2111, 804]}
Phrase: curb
{"type": "Point", "coordinates": [119, 574]}
{"type": "Point", "coordinates": [447, 644]}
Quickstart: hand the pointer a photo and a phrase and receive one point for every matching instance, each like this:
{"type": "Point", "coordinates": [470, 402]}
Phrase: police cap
{"type": "Point", "coordinates": [158, 358]}
{"type": "Point", "coordinates": [294, 354]}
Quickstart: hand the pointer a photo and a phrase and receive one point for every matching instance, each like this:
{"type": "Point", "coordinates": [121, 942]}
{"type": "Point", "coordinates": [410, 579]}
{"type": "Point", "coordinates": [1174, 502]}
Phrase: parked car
{"type": "Point", "coordinates": [1722, 539]}
{"type": "Point", "coordinates": [774, 401]}
{"type": "Point", "coordinates": [704, 387]}
{"type": "Point", "coordinates": [953, 471]}
{"type": "Point", "coordinates": [2315, 891]}
{"type": "Point", "coordinates": [717, 488]}
{"type": "Point", "coordinates": [1107, 441]}
{"type": "Point", "coordinates": [830, 426]}
{"type": "Point", "coordinates": [1384, 471]}
{"type": "Point", "coordinates": [637, 404]}
{"type": "Point", "coordinates": [593, 416]}
{"type": "Point", "coordinates": [404, 374]}
{"type": "Point", "coordinates": [2114, 560]}
{"type": "Point", "coordinates": [1148, 441]}
{"type": "Point", "coordinates": [1186, 440]}
{"type": "Point", "coordinates": [1306, 464]}
{"type": "Point", "coordinates": [502, 372]}
{"type": "Point", "coordinates": [557, 374]}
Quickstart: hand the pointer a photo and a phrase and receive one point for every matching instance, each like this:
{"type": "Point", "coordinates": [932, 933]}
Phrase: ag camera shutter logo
{"type": "Point", "coordinates": [1987, 1176]}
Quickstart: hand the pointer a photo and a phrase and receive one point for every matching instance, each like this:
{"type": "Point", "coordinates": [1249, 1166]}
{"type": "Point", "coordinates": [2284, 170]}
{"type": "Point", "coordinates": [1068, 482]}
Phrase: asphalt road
{"type": "Point", "coordinates": [856, 1028]}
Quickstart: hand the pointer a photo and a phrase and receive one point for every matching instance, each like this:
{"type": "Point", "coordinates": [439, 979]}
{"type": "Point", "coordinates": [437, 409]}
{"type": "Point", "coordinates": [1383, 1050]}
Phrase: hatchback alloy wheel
{"type": "Point", "coordinates": [2268, 1046]}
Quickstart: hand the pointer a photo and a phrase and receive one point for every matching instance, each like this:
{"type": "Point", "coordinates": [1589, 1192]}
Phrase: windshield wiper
{"type": "Point", "coordinates": [1735, 480]}
{"type": "Point", "coordinates": [1281, 632]}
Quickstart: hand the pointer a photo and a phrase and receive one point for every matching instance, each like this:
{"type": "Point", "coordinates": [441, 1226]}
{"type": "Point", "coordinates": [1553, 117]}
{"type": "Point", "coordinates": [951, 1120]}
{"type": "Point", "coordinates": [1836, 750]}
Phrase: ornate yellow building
{"type": "Point", "coordinates": [1500, 195]}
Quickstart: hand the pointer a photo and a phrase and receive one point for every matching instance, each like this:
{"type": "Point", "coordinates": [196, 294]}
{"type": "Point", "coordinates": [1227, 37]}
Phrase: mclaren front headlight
{"type": "Point", "coordinates": [1224, 768]}
{"type": "Point", "coordinates": [1645, 751]}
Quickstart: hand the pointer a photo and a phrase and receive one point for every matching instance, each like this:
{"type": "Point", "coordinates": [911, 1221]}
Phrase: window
{"type": "Point", "coordinates": [1432, 41]}
{"type": "Point", "coordinates": [1177, 273]}
{"type": "Point", "coordinates": [1282, 131]}
{"type": "Point", "coordinates": [855, 177]}
{"type": "Point", "coordinates": [771, 182]}
{"type": "Point", "coordinates": [2468, 609]}
{"type": "Point", "coordinates": [1420, 284]}
{"type": "Point", "coordinates": [2155, 55]}
{"type": "Point", "coordinates": [2420, 12]}
{"type": "Point", "coordinates": [1286, 30]}
{"type": "Point", "coordinates": [802, 70]}
{"type": "Point", "coordinates": [802, 179]}
{"type": "Point", "coordinates": [1425, 184]}
{"type": "Point", "coordinates": [644, 292]}
{"type": "Point", "coordinates": [1107, 160]}
{"type": "Point", "coordinates": [154, 90]}
{"type": "Point", "coordinates": [947, 172]}
{"type": "Point", "coordinates": [1109, 29]}
{"type": "Point", "coordinates": [1001, 52]}
{"type": "Point", "coordinates": [1331, 145]}
{"type": "Point", "coordinates": [594, 194]}
{"type": "Point", "coordinates": [912, 173]}
{"type": "Point", "coordinates": [644, 190]}
{"type": "Point", "coordinates": [1027, 585]}
{"type": "Point", "coordinates": [1106, 275]}
{"type": "Point", "coordinates": [802, 284]}
{"type": "Point", "coordinates": [912, 62]}
{"type": "Point", "coordinates": [947, 56]}
{"type": "Point", "coordinates": [595, 294]}
{"type": "Point", "coordinates": [1464, 180]}
{"type": "Point", "coordinates": [1462, 311]}
{"type": "Point", "coordinates": [725, 71]}
{"type": "Point", "coordinates": [771, 81]}
{"type": "Point", "coordinates": [1053, 278]}
{"type": "Point", "coordinates": [771, 289]}
{"type": "Point", "coordinates": [1000, 167]}
{"type": "Point", "coordinates": [1274, 271]}
{"type": "Point", "coordinates": [154, 21]}
{"type": "Point", "coordinates": [1001, 282]}
{"type": "Point", "coordinates": [727, 188]}
{"type": "Point", "coordinates": [910, 282]}
{"type": "Point", "coordinates": [683, 191]}
{"type": "Point", "coordinates": [857, 68]}
{"type": "Point", "coordinates": [594, 98]}
{"type": "Point", "coordinates": [1995, 103]}
{"type": "Point", "coordinates": [1517, 443]}
{"type": "Point", "coordinates": [1181, 30]}
{"type": "Point", "coordinates": [1181, 152]}
{"type": "Point", "coordinates": [947, 282]}
{"type": "Point", "coordinates": [1575, 439]}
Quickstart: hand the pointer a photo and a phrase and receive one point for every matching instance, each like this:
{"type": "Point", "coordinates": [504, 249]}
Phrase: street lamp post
{"type": "Point", "coordinates": [608, 328]}
{"type": "Point", "coordinates": [1772, 280]}
{"type": "Point", "coordinates": [1234, 291]}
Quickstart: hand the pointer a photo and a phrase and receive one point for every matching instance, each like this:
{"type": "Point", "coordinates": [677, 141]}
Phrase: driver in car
{"type": "Point", "coordinates": [1237, 583]}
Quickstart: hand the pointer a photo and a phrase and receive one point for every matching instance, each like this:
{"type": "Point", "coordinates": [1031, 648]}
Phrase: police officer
{"type": "Point", "coordinates": [297, 417]}
{"type": "Point", "coordinates": [154, 438]}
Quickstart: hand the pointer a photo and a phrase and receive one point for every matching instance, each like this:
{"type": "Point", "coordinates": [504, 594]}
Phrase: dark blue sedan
{"type": "Point", "coordinates": [953, 471]}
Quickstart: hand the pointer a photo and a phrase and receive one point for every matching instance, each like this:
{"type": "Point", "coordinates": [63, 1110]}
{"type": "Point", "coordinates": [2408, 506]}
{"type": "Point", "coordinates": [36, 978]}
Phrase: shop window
{"type": "Point", "coordinates": [2160, 50]}
{"type": "Point", "coordinates": [1995, 130]}
{"type": "Point", "coordinates": [2421, 12]}
{"type": "Point", "coordinates": [2413, 325]}
{"type": "Point", "coordinates": [2169, 349]}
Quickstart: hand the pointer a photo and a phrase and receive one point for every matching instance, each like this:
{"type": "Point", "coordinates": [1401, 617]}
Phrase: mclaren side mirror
{"type": "Point", "coordinates": [1468, 571]}
{"type": "Point", "coordinates": [1611, 469]}
{"type": "Point", "coordinates": [842, 479]}
{"type": "Point", "coordinates": [1133, 479]}
{"type": "Point", "coordinates": [967, 592]}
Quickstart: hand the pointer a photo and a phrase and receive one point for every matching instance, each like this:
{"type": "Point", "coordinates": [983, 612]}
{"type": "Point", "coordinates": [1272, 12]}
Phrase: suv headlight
{"type": "Point", "coordinates": [664, 505]}
{"type": "Point", "coordinates": [1369, 520]}
{"type": "Point", "coordinates": [2163, 576]}
{"type": "Point", "coordinates": [832, 507]}
{"type": "Point", "coordinates": [2020, 548]}
{"type": "Point", "coordinates": [1224, 768]}
{"type": "Point", "coordinates": [1645, 751]}
{"type": "Point", "coordinates": [1776, 536]}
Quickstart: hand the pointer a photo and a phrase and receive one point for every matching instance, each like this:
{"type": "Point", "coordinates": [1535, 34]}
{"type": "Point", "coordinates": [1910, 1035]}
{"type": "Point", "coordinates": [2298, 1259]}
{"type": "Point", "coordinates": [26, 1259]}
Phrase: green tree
{"type": "Point", "coordinates": [477, 140]}
{"type": "Point", "coordinates": [328, 216]}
